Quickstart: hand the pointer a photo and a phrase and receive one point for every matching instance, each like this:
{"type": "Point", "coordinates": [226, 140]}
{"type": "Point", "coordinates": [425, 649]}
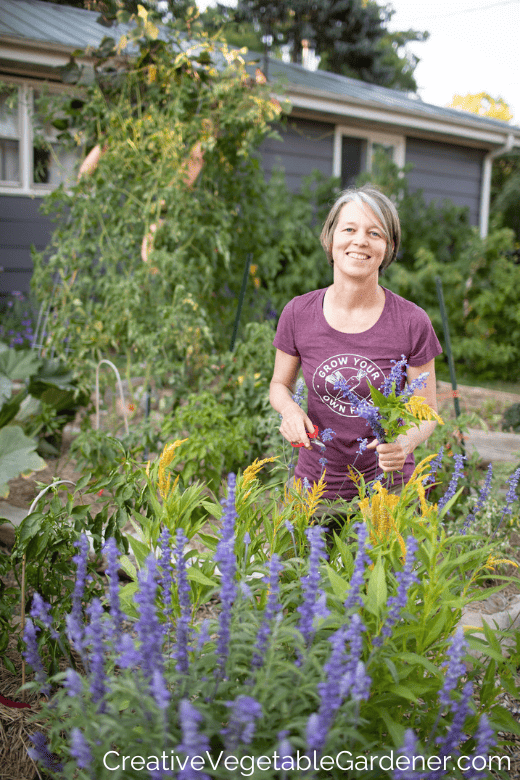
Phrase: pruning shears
{"type": "Point", "coordinates": [312, 436]}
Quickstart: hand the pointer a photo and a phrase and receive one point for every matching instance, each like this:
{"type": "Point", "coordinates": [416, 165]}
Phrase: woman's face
{"type": "Point", "coordinates": [358, 242]}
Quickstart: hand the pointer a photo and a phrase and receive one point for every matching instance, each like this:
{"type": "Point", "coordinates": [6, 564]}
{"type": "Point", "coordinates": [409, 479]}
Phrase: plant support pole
{"type": "Point", "coordinates": [241, 297]}
{"type": "Point", "coordinates": [447, 341]}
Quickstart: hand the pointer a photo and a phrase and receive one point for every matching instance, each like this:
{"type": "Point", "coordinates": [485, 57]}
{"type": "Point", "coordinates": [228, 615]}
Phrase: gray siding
{"type": "Point", "coordinates": [306, 145]}
{"type": "Point", "coordinates": [446, 171]}
{"type": "Point", "coordinates": [21, 225]}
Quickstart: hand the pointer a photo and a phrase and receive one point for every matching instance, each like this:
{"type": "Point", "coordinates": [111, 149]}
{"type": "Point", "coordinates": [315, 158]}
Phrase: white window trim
{"type": "Point", "coordinates": [371, 137]}
{"type": "Point", "coordinates": [26, 186]}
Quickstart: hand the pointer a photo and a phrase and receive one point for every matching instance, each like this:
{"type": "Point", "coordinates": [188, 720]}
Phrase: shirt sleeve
{"type": "Point", "coordinates": [285, 338]}
{"type": "Point", "coordinates": [425, 344]}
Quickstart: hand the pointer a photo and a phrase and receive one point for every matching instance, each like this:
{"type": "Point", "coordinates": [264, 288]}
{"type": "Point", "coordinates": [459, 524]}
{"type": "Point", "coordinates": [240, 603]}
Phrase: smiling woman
{"type": "Point", "coordinates": [353, 332]}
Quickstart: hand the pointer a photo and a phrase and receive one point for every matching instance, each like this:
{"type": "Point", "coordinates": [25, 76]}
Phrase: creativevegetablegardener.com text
{"type": "Point", "coordinates": [344, 761]}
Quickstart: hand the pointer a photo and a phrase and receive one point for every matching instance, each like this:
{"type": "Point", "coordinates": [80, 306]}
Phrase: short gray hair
{"type": "Point", "coordinates": [383, 208]}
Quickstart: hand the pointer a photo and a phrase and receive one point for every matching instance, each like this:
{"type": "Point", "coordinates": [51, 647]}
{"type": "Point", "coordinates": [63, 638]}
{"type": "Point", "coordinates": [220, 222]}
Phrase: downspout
{"type": "Point", "coordinates": [485, 192]}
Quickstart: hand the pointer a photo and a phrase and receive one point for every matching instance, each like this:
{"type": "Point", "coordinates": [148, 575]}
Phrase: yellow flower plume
{"type": "Point", "coordinates": [166, 458]}
{"type": "Point", "coordinates": [417, 406]}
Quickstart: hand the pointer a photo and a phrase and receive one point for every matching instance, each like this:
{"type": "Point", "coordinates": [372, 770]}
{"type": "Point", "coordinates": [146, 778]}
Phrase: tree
{"type": "Point", "coordinates": [349, 36]}
{"type": "Point", "coordinates": [484, 105]}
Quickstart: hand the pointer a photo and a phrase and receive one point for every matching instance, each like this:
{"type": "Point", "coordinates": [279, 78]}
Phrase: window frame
{"type": "Point", "coordinates": [372, 137]}
{"type": "Point", "coordinates": [26, 184]}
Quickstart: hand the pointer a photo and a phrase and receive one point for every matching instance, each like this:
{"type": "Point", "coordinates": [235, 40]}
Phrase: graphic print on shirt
{"type": "Point", "coordinates": [355, 370]}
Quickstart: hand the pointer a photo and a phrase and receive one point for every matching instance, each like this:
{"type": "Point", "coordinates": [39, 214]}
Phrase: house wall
{"type": "Point", "coordinates": [305, 145]}
{"type": "Point", "coordinates": [446, 171]}
{"type": "Point", "coordinates": [21, 226]}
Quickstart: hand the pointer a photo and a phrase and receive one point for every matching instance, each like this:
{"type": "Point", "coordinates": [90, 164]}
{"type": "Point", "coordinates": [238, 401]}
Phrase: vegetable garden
{"type": "Point", "coordinates": [179, 610]}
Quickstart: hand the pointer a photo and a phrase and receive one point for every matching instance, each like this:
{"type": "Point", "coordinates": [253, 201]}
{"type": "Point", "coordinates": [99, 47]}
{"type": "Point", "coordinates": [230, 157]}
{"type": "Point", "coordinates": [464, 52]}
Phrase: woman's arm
{"type": "Point", "coordinates": [295, 422]}
{"type": "Point", "coordinates": [392, 456]}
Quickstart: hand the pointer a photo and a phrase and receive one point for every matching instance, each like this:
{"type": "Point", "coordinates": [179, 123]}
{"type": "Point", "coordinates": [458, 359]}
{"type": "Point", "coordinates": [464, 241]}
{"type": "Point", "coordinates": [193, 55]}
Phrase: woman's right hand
{"type": "Point", "coordinates": [295, 425]}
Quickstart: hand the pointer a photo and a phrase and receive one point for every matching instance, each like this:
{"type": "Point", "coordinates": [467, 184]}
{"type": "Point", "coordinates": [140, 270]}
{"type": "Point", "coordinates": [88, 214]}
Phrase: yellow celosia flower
{"type": "Point", "coordinates": [253, 469]}
{"type": "Point", "coordinates": [164, 479]}
{"type": "Point", "coordinates": [420, 409]}
{"type": "Point", "coordinates": [313, 496]}
{"type": "Point", "coordinates": [377, 511]}
{"type": "Point", "coordinates": [492, 562]}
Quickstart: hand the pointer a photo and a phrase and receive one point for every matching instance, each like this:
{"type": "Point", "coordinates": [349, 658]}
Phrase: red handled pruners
{"type": "Point", "coordinates": [312, 436]}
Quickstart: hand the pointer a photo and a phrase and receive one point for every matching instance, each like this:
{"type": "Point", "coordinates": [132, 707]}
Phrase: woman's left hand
{"type": "Point", "coordinates": [391, 456]}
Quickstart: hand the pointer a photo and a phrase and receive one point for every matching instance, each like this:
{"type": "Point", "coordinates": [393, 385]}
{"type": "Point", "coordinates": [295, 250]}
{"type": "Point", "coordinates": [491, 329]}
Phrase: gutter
{"type": "Point", "coordinates": [485, 190]}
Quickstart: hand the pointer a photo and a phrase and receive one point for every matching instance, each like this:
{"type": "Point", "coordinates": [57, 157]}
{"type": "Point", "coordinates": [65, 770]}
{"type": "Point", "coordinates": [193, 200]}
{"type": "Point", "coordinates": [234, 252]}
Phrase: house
{"type": "Point", "coordinates": [335, 125]}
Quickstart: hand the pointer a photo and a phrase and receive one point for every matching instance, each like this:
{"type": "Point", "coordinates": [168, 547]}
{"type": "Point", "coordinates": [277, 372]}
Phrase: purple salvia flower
{"type": "Point", "coordinates": [360, 564]}
{"type": "Point", "coordinates": [408, 749]}
{"type": "Point", "coordinates": [452, 487]}
{"type": "Point", "coordinates": [331, 697]}
{"type": "Point", "coordinates": [40, 752]}
{"type": "Point", "coordinates": [112, 555]}
{"type": "Point", "coordinates": [159, 690]}
{"type": "Point", "coordinates": [485, 739]}
{"type": "Point", "coordinates": [129, 655]}
{"type": "Point", "coordinates": [455, 667]}
{"type": "Point", "coordinates": [203, 635]}
{"type": "Point", "coordinates": [482, 498]}
{"type": "Point", "coordinates": [363, 444]}
{"type": "Point", "coordinates": [166, 575]}
{"type": "Point", "coordinates": [148, 628]}
{"type": "Point", "coordinates": [40, 610]}
{"type": "Point", "coordinates": [327, 435]}
{"type": "Point", "coordinates": [510, 497]}
{"type": "Point", "coordinates": [405, 579]}
{"type": "Point", "coordinates": [434, 467]}
{"type": "Point", "coordinates": [306, 484]}
{"type": "Point", "coordinates": [310, 583]}
{"type": "Point", "coordinates": [395, 377]}
{"type": "Point", "coordinates": [79, 749]}
{"type": "Point", "coordinates": [72, 683]}
{"type": "Point", "coordinates": [298, 394]}
{"type": "Point", "coordinates": [363, 409]}
{"type": "Point", "coordinates": [449, 744]}
{"type": "Point", "coordinates": [32, 655]}
{"type": "Point", "coordinates": [323, 462]}
{"type": "Point", "coordinates": [74, 620]}
{"type": "Point", "coordinates": [193, 742]}
{"type": "Point", "coordinates": [225, 556]}
{"type": "Point", "coordinates": [94, 638]}
{"type": "Point", "coordinates": [241, 725]}
{"type": "Point", "coordinates": [184, 593]}
{"type": "Point", "coordinates": [290, 528]}
{"type": "Point", "coordinates": [272, 609]}
{"type": "Point", "coordinates": [353, 680]}
{"type": "Point", "coordinates": [416, 384]}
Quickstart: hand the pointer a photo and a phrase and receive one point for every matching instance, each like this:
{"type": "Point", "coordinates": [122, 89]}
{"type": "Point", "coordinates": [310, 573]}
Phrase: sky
{"type": "Point", "coordinates": [473, 47]}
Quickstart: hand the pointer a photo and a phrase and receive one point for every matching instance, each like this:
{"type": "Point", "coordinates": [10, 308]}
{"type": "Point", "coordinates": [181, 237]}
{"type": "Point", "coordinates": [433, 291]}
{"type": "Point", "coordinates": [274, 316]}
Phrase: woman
{"type": "Point", "coordinates": [353, 330]}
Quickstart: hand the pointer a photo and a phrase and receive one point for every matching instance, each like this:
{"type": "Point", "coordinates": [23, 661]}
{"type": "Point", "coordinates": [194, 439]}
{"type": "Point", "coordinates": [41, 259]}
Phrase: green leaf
{"type": "Point", "coordinates": [340, 586]}
{"type": "Point", "coordinates": [139, 549]}
{"type": "Point", "coordinates": [377, 591]}
{"type": "Point", "coordinates": [19, 364]}
{"type": "Point", "coordinates": [17, 456]}
{"type": "Point", "coordinates": [196, 575]}
{"type": "Point", "coordinates": [404, 692]}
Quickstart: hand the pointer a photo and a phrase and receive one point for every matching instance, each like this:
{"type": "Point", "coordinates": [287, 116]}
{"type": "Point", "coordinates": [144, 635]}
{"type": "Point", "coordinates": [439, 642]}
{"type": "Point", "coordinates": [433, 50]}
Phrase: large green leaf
{"type": "Point", "coordinates": [19, 363]}
{"type": "Point", "coordinates": [17, 456]}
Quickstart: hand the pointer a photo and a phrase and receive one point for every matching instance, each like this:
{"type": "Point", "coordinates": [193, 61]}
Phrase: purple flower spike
{"type": "Point", "coordinates": [311, 606]}
{"type": "Point", "coordinates": [272, 609]}
{"type": "Point", "coordinates": [408, 749]}
{"type": "Point", "coordinates": [79, 749]}
{"type": "Point", "coordinates": [184, 591]}
{"type": "Point", "coordinates": [166, 578]}
{"type": "Point", "coordinates": [396, 377]}
{"type": "Point", "coordinates": [72, 683]}
{"type": "Point", "coordinates": [40, 610]}
{"type": "Point", "coordinates": [485, 739]}
{"type": "Point", "coordinates": [434, 467]}
{"type": "Point", "coordinates": [74, 620]}
{"type": "Point", "coordinates": [327, 435]}
{"type": "Point", "coordinates": [225, 557]}
{"type": "Point", "coordinates": [32, 655]}
{"type": "Point", "coordinates": [193, 742]}
{"type": "Point", "coordinates": [40, 752]}
{"type": "Point", "coordinates": [452, 487]}
{"type": "Point", "coordinates": [405, 579]}
{"type": "Point", "coordinates": [112, 554]}
{"type": "Point", "coordinates": [360, 564]}
{"type": "Point", "coordinates": [455, 667]}
{"type": "Point", "coordinates": [510, 497]}
{"type": "Point", "coordinates": [241, 725]}
{"type": "Point", "coordinates": [94, 637]}
{"type": "Point", "coordinates": [482, 498]}
{"type": "Point", "coordinates": [148, 628]}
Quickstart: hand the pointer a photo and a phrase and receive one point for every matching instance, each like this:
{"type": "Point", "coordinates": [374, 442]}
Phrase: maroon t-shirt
{"type": "Point", "coordinates": [326, 355]}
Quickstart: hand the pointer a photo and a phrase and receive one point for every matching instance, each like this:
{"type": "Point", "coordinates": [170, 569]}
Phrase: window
{"type": "Point", "coordinates": [31, 158]}
{"type": "Point", "coordinates": [9, 138]}
{"type": "Point", "coordinates": [354, 152]}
